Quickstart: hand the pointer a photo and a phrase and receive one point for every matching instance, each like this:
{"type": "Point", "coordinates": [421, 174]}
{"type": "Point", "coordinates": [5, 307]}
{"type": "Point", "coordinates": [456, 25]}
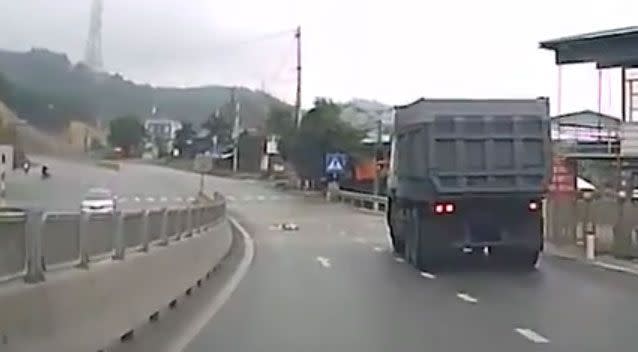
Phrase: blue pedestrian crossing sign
{"type": "Point", "coordinates": [335, 162]}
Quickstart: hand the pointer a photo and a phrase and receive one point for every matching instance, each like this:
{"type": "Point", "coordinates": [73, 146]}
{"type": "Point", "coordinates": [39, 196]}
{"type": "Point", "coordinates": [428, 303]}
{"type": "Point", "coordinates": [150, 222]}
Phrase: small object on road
{"type": "Point", "coordinates": [99, 201]}
{"type": "Point", "coordinates": [290, 227]}
{"type": "Point", "coordinates": [286, 226]}
{"type": "Point", "coordinates": [26, 166]}
{"type": "Point", "coordinates": [45, 172]}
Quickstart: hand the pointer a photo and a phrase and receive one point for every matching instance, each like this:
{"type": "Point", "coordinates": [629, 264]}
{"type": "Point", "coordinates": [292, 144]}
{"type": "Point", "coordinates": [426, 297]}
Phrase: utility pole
{"type": "Point", "coordinates": [298, 97]}
{"type": "Point", "coordinates": [377, 151]}
{"type": "Point", "coordinates": [235, 133]}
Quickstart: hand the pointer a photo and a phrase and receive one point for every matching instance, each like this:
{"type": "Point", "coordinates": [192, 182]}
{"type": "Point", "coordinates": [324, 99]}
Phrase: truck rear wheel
{"type": "Point", "coordinates": [523, 259]}
{"type": "Point", "coordinates": [397, 244]}
{"type": "Point", "coordinates": [429, 253]}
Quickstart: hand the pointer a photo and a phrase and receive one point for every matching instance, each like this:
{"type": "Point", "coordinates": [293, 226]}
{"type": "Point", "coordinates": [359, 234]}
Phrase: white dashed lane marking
{"type": "Point", "coordinates": [467, 298]}
{"type": "Point", "coordinates": [325, 262]}
{"type": "Point", "coordinates": [261, 198]}
{"type": "Point", "coordinates": [378, 249]}
{"type": "Point", "coordinates": [532, 335]}
{"type": "Point", "coordinates": [137, 199]}
{"type": "Point", "coordinates": [150, 199]}
{"type": "Point", "coordinates": [399, 259]}
{"type": "Point", "coordinates": [163, 199]}
{"type": "Point", "coordinates": [428, 275]}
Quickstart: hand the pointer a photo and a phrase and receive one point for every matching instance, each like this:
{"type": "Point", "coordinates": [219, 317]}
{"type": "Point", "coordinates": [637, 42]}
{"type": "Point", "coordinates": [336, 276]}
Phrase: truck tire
{"type": "Point", "coordinates": [428, 253]}
{"type": "Point", "coordinates": [521, 259]}
{"type": "Point", "coordinates": [398, 244]}
{"type": "Point", "coordinates": [433, 257]}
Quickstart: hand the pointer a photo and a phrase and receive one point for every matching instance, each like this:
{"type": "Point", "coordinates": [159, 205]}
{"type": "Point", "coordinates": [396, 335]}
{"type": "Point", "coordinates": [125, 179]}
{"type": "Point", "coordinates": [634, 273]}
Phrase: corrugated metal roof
{"type": "Point", "coordinates": [605, 34]}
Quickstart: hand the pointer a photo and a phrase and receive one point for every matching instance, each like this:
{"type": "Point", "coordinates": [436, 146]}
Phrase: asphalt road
{"type": "Point", "coordinates": [334, 285]}
{"type": "Point", "coordinates": [136, 185]}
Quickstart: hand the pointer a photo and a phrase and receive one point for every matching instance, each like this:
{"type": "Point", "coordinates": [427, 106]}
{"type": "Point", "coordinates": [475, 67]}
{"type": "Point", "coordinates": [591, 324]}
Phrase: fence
{"type": "Point", "coordinates": [33, 242]}
{"type": "Point", "coordinates": [612, 222]}
{"type": "Point", "coordinates": [361, 200]}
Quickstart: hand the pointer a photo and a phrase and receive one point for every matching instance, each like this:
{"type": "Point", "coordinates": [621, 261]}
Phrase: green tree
{"type": "Point", "coordinates": [126, 132]}
{"type": "Point", "coordinates": [321, 131]}
{"type": "Point", "coordinates": [219, 125]}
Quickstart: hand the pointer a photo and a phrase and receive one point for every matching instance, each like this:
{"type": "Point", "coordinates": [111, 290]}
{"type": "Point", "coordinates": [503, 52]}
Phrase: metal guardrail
{"type": "Point", "coordinates": [362, 200]}
{"type": "Point", "coordinates": [33, 242]}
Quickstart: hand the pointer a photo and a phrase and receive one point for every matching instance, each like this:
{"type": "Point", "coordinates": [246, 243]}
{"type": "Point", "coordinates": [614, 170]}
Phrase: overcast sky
{"type": "Point", "coordinates": [390, 51]}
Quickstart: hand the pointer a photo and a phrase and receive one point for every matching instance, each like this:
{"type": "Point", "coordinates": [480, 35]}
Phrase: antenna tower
{"type": "Point", "coordinates": [93, 53]}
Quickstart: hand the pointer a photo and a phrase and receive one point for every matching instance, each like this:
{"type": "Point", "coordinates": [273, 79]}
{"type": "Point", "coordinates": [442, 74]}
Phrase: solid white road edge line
{"type": "Point", "coordinates": [466, 297]}
{"type": "Point", "coordinates": [428, 275]}
{"type": "Point", "coordinates": [532, 335]}
{"type": "Point", "coordinates": [614, 267]}
{"type": "Point", "coordinates": [179, 344]}
{"type": "Point", "coordinates": [325, 262]}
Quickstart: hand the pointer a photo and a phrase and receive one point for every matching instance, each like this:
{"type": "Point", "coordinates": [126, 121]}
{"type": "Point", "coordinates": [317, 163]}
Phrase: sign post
{"type": "Point", "coordinates": [335, 165]}
{"type": "Point", "coordinates": [203, 164]}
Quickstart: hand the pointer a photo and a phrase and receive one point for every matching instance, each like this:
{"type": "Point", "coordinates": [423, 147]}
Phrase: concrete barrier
{"type": "Point", "coordinates": [133, 230]}
{"type": "Point", "coordinates": [99, 238]}
{"type": "Point", "coordinates": [12, 244]}
{"type": "Point", "coordinates": [86, 309]}
{"type": "Point", "coordinates": [61, 239]}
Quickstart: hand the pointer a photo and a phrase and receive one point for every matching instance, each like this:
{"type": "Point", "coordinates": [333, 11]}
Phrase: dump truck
{"type": "Point", "coordinates": [469, 176]}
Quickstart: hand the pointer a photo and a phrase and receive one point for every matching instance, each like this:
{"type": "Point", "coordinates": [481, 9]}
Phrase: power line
{"type": "Point", "coordinates": [254, 40]}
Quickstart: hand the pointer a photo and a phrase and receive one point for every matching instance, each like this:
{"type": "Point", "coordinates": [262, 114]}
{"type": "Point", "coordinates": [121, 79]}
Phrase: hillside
{"type": "Point", "coordinates": [58, 90]}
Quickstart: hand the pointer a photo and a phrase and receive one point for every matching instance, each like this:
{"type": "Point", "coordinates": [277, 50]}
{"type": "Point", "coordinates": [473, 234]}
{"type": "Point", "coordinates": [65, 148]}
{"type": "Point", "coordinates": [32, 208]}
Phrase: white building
{"type": "Point", "coordinates": [163, 131]}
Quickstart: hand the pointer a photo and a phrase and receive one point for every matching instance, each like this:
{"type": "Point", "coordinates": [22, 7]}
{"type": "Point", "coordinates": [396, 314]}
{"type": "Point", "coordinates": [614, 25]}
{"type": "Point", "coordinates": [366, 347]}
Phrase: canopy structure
{"type": "Point", "coordinates": [607, 49]}
{"type": "Point", "coordinates": [610, 48]}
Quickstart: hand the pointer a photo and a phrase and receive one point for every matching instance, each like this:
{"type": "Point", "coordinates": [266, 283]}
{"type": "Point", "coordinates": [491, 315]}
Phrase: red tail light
{"type": "Point", "coordinates": [444, 208]}
{"type": "Point", "coordinates": [533, 205]}
{"type": "Point", "coordinates": [449, 208]}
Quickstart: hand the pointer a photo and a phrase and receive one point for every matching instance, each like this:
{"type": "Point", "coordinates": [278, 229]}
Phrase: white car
{"type": "Point", "coordinates": [99, 201]}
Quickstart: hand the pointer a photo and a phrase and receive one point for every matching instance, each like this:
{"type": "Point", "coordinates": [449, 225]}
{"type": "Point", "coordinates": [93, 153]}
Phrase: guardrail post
{"type": "Point", "coordinates": [179, 223]}
{"type": "Point", "coordinates": [145, 230]}
{"type": "Point", "coordinates": [118, 236]}
{"type": "Point", "coordinates": [207, 217]}
{"type": "Point", "coordinates": [189, 221]}
{"type": "Point", "coordinates": [164, 228]}
{"type": "Point", "coordinates": [84, 240]}
{"type": "Point", "coordinates": [35, 261]}
{"type": "Point", "coordinates": [197, 227]}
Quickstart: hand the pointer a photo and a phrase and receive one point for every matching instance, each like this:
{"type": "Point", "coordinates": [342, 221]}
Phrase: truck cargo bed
{"type": "Point", "coordinates": [448, 147]}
